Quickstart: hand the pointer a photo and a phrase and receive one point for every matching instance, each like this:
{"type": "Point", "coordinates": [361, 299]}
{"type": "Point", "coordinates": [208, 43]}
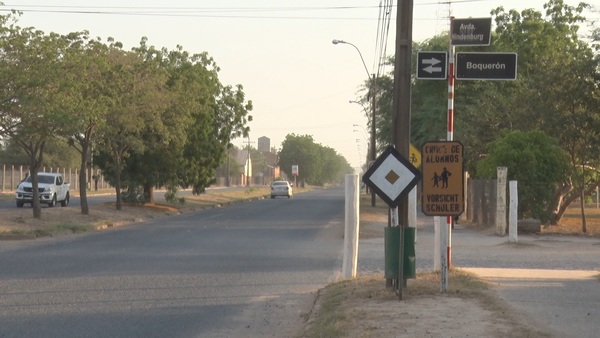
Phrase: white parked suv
{"type": "Point", "coordinates": [51, 187]}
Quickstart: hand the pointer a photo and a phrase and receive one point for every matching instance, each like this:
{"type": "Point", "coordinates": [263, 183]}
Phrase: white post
{"type": "Point", "coordinates": [437, 243]}
{"type": "Point", "coordinates": [501, 201]}
{"type": "Point", "coordinates": [350, 261]}
{"type": "Point", "coordinates": [443, 256]}
{"type": "Point", "coordinates": [412, 210]}
{"type": "Point", "coordinates": [466, 190]}
{"type": "Point", "coordinates": [513, 218]}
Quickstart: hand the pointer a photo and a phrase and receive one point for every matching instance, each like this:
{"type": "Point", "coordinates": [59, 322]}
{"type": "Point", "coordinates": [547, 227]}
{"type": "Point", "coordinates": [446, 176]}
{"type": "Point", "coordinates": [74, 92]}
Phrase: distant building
{"type": "Point", "coordinates": [245, 162]}
{"type": "Point", "coordinates": [264, 144]}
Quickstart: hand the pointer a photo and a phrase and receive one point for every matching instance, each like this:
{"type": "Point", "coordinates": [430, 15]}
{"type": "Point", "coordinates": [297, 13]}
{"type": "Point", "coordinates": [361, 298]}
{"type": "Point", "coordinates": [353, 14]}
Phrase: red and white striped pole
{"type": "Point", "coordinates": [450, 136]}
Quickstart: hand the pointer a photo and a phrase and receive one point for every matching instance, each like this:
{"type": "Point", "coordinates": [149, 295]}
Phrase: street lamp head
{"type": "Point", "coordinates": [336, 41]}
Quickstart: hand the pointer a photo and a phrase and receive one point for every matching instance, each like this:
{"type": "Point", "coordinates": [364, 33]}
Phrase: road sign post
{"type": "Point", "coordinates": [471, 32]}
{"type": "Point", "coordinates": [392, 177]}
{"type": "Point", "coordinates": [486, 66]}
{"type": "Point", "coordinates": [443, 179]}
{"type": "Point", "coordinates": [431, 65]}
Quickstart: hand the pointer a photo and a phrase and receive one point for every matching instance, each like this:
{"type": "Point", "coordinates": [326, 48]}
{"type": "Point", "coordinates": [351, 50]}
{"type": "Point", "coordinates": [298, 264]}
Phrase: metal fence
{"type": "Point", "coordinates": [12, 175]}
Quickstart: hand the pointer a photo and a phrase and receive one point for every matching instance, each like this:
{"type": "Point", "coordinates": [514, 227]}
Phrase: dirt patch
{"type": "Point", "coordinates": [363, 307]}
{"type": "Point", "coordinates": [59, 220]}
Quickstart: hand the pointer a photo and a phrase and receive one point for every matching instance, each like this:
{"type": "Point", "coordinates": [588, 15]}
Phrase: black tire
{"type": "Point", "coordinates": [65, 202]}
{"type": "Point", "coordinates": [53, 201]}
{"type": "Point", "coordinates": [272, 196]}
{"type": "Point", "coordinates": [20, 204]}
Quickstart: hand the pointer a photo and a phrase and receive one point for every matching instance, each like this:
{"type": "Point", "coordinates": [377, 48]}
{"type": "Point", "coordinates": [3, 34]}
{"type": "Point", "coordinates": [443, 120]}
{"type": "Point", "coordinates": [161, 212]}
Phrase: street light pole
{"type": "Point", "coordinates": [373, 150]}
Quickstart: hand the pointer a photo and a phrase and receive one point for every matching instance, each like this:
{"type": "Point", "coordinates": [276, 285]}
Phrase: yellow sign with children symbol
{"type": "Point", "coordinates": [415, 156]}
{"type": "Point", "coordinates": [443, 179]}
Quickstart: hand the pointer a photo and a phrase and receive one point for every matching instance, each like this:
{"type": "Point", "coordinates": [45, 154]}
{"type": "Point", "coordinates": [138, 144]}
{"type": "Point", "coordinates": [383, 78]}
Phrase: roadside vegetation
{"type": "Point", "coordinates": [20, 224]}
{"type": "Point", "coordinates": [554, 101]}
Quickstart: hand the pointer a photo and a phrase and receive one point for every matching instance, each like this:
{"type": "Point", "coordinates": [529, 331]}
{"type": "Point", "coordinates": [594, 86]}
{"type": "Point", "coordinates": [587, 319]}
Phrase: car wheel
{"type": "Point", "coordinates": [272, 196]}
{"type": "Point", "coordinates": [53, 201]}
{"type": "Point", "coordinates": [20, 204]}
{"type": "Point", "coordinates": [65, 202]}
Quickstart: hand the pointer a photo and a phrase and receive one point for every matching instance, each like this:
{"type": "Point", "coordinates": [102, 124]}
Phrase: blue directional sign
{"type": "Point", "coordinates": [432, 65]}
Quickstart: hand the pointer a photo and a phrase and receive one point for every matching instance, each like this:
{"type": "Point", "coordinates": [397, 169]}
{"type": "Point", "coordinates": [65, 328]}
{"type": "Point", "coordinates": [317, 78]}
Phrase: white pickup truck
{"type": "Point", "coordinates": [51, 187]}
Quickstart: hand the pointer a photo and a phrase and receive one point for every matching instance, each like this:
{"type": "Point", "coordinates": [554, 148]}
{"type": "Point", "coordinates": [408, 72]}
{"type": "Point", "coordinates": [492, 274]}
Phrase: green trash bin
{"type": "Point", "coordinates": [392, 252]}
{"type": "Point", "coordinates": [410, 259]}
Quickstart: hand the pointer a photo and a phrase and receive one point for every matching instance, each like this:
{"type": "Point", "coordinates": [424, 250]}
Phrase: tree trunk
{"type": "Point", "coordinates": [149, 193]}
{"type": "Point", "coordinates": [85, 210]}
{"type": "Point", "coordinates": [562, 202]}
{"type": "Point", "coordinates": [35, 203]}
{"type": "Point", "coordinates": [117, 162]}
{"type": "Point", "coordinates": [583, 219]}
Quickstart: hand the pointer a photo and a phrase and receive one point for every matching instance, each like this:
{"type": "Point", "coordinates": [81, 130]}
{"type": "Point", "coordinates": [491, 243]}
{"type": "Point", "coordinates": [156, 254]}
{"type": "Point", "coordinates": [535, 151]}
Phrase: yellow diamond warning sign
{"type": "Point", "coordinates": [443, 179]}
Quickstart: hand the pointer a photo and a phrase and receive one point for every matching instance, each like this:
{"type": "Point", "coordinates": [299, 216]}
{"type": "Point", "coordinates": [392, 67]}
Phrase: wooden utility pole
{"type": "Point", "coordinates": [401, 110]}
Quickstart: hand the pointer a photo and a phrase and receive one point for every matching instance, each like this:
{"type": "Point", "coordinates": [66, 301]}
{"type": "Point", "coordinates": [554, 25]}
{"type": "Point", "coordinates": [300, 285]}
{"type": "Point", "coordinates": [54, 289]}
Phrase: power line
{"type": "Point", "coordinates": [207, 12]}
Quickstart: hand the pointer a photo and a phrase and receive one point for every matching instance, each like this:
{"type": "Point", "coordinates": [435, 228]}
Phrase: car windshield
{"type": "Point", "coordinates": [42, 179]}
{"type": "Point", "coordinates": [280, 183]}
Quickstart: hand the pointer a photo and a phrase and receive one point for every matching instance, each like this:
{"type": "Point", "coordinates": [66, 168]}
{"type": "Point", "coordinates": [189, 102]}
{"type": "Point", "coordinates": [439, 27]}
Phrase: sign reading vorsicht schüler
{"type": "Point", "coordinates": [443, 179]}
{"type": "Point", "coordinates": [471, 32]}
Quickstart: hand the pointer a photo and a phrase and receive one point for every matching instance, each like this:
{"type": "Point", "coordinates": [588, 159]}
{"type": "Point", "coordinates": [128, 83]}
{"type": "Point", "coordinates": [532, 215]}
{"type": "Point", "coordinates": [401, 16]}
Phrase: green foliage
{"type": "Point", "coordinates": [536, 161]}
{"type": "Point", "coordinates": [171, 196]}
{"type": "Point", "coordinates": [556, 91]}
{"type": "Point", "coordinates": [57, 154]}
{"type": "Point", "coordinates": [317, 164]}
{"type": "Point", "coordinates": [134, 195]}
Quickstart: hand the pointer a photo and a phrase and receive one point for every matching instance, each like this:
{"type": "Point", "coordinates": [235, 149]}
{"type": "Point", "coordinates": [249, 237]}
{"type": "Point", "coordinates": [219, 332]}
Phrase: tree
{"type": "Point", "coordinates": [138, 101]}
{"type": "Point", "coordinates": [536, 161]}
{"type": "Point", "coordinates": [303, 152]}
{"type": "Point", "coordinates": [317, 164]}
{"type": "Point", "coordinates": [193, 120]}
{"type": "Point", "coordinates": [556, 92]}
{"type": "Point", "coordinates": [32, 96]}
{"type": "Point", "coordinates": [89, 100]}
{"type": "Point", "coordinates": [559, 90]}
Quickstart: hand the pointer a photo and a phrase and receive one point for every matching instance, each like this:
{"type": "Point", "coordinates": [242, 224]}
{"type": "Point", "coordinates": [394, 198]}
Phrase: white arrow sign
{"type": "Point", "coordinates": [431, 62]}
{"type": "Point", "coordinates": [431, 65]}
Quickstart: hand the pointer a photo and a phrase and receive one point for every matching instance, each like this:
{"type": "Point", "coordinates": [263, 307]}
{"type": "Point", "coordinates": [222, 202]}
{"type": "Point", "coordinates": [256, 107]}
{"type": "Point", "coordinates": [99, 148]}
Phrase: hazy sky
{"type": "Point", "coordinates": [280, 51]}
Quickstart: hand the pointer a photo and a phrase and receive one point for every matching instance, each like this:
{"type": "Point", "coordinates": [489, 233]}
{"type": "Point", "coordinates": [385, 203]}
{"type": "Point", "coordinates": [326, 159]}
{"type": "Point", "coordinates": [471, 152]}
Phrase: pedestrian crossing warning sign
{"type": "Point", "coordinates": [443, 179]}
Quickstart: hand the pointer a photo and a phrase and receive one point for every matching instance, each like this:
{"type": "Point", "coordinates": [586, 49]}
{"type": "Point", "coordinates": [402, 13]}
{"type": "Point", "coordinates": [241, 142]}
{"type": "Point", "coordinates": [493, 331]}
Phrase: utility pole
{"type": "Point", "coordinates": [248, 163]}
{"type": "Point", "coordinates": [401, 110]}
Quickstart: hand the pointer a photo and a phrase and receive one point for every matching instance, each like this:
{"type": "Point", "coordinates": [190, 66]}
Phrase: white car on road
{"type": "Point", "coordinates": [281, 188]}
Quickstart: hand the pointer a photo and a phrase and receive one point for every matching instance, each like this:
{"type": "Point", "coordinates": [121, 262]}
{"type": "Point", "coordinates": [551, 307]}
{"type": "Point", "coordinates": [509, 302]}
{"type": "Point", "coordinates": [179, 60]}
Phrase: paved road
{"type": "Point", "coordinates": [552, 279]}
{"type": "Point", "coordinates": [244, 270]}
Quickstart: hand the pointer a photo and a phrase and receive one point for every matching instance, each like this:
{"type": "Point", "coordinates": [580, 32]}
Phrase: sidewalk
{"type": "Point", "coordinates": [553, 280]}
